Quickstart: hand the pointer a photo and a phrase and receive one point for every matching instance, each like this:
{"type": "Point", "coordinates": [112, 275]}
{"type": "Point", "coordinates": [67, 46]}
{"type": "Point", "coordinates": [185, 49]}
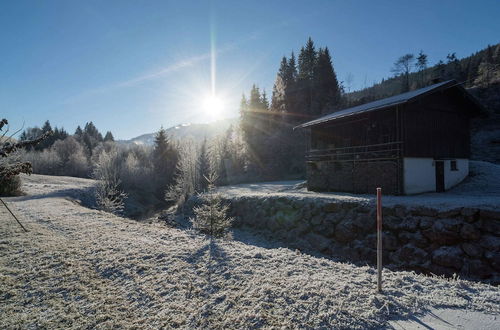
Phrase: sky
{"type": "Point", "coordinates": [133, 66]}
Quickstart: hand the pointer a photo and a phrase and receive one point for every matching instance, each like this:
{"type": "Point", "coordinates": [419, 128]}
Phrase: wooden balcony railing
{"type": "Point", "coordinates": [388, 150]}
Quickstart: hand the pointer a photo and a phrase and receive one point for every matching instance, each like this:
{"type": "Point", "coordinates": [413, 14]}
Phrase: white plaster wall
{"type": "Point", "coordinates": [452, 178]}
{"type": "Point", "coordinates": [419, 175]}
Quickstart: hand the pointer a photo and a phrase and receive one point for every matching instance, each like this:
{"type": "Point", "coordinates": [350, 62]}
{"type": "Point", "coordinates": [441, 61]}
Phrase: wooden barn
{"type": "Point", "coordinates": [410, 143]}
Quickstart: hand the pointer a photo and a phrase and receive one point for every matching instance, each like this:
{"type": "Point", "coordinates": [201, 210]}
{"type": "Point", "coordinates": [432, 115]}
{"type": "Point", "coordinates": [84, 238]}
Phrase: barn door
{"type": "Point", "coordinates": [439, 176]}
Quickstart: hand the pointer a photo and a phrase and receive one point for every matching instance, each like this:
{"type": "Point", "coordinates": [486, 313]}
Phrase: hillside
{"type": "Point", "coordinates": [82, 268]}
{"type": "Point", "coordinates": [480, 70]}
{"type": "Point", "coordinates": [196, 132]}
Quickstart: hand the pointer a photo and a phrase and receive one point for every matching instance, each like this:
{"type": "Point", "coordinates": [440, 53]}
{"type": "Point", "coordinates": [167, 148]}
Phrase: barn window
{"type": "Point", "coordinates": [453, 165]}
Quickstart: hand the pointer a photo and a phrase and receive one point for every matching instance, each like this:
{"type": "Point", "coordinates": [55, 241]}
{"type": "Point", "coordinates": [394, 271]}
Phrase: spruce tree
{"type": "Point", "coordinates": [279, 89]}
{"type": "Point", "coordinates": [421, 67]}
{"type": "Point", "coordinates": [305, 81]}
{"type": "Point", "coordinates": [326, 89]}
{"type": "Point", "coordinates": [165, 158]}
{"type": "Point", "coordinates": [108, 137]}
{"type": "Point", "coordinates": [211, 217]}
{"type": "Point", "coordinates": [292, 105]}
{"type": "Point", "coordinates": [78, 131]}
{"type": "Point", "coordinates": [203, 167]}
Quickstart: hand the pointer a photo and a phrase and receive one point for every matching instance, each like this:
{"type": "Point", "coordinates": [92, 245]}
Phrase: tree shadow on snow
{"type": "Point", "coordinates": [82, 196]}
{"type": "Point", "coordinates": [216, 260]}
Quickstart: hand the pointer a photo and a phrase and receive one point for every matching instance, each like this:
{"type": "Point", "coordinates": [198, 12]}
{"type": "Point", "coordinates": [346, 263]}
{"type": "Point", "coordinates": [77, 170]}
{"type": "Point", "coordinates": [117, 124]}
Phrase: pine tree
{"type": "Point", "coordinates": [439, 70]}
{"type": "Point", "coordinates": [279, 89]}
{"type": "Point", "coordinates": [305, 80]}
{"type": "Point", "coordinates": [291, 90]}
{"type": "Point", "coordinates": [165, 158]}
{"type": "Point", "coordinates": [108, 137]}
{"type": "Point", "coordinates": [326, 86]}
{"type": "Point", "coordinates": [78, 131]}
{"type": "Point", "coordinates": [211, 218]}
{"type": "Point", "coordinates": [90, 137]}
{"type": "Point", "coordinates": [421, 67]}
{"type": "Point", "coordinates": [203, 166]}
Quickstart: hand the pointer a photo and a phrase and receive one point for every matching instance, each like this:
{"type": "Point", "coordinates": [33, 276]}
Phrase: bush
{"type": "Point", "coordinates": [71, 154]}
{"type": "Point", "coordinates": [108, 195]}
{"type": "Point", "coordinates": [10, 186]}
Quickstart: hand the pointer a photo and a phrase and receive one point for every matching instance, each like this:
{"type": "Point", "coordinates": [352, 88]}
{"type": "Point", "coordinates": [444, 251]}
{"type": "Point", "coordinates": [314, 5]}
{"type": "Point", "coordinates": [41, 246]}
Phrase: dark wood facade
{"type": "Point", "coordinates": [433, 125]}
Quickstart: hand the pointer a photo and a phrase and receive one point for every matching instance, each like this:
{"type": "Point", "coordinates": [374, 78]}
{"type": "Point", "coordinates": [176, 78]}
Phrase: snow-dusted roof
{"type": "Point", "coordinates": [379, 104]}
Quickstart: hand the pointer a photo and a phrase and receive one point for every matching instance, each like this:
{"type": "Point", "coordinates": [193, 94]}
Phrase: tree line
{"type": "Point", "coordinates": [410, 71]}
{"type": "Point", "coordinates": [304, 89]}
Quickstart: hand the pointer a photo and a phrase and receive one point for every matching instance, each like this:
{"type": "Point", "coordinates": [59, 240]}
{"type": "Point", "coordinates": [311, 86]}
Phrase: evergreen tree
{"type": "Point", "coordinates": [326, 86]}
{"type": "Point", "coordinates": [90, 137]}
{"type": "Point", "coordinates": [46, 127]}
{"type": "Point", "coordinates": [203, 167]}
{"type": "Point", "coordinates": [292, 105]}
{"type": "Point", "coordinates": [165, 158]}
{"type": "Point", "coordinates": [108, 137]}
{"type": "Point", "coordinates": [421, 67]}
{"type": "Point", "coordinates": [78, 131]}
{"type": "Point", "coordinates": [211, 218]}
{"type": "Point", "coordinates": [278, 103]}
{"type": "Point", "coordinates": [439, 70]}
{"type": "Point", "coordinates": [453, 70]}
{"type": "Point", "coordinates": [245, 118]}
{"type": "Point", "coordinates": [305, 81]}
{"type": "Point", "coordinates": [255, 101]}
{"type": "Point", "coordinates": [264, 101]}
{"type": "Point", "coordinates": [284, 89]}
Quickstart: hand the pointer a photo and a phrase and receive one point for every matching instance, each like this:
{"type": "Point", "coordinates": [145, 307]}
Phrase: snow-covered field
{"type": "Point", "coordinates": [78, 267]}
{"type": "Point", "coordinates": [481, 189]}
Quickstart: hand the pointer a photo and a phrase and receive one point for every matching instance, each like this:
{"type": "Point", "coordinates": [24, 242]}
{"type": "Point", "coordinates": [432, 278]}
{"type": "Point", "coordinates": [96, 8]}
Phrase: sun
{"type": "Point", "coordinates": [213, 106]}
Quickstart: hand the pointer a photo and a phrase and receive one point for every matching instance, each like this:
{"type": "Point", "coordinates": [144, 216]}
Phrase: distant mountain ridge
{"type": "Point", "coordinates": [195, 132]}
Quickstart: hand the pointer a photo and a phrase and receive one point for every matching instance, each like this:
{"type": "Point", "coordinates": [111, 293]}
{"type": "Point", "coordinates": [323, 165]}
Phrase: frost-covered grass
{"type": "Point", "coordinates": [78, 267]}
{"type": "Point", "coordinates": [481, 189]}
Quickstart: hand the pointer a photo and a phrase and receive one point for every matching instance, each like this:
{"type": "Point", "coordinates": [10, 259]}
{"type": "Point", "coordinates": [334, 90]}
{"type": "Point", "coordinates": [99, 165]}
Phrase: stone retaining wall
{"type": "Point", "coordinates": [461, 241]}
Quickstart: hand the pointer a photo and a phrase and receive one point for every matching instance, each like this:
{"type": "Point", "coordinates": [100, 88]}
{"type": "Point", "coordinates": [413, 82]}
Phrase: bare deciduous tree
{"type": "Point", "coordinates": [402, 67]}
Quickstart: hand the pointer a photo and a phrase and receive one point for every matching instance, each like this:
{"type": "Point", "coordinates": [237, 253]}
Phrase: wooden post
{"type": "Point", "coordinates": [379, 239]}
{"type": "Point", "coordinates": [8, 209]}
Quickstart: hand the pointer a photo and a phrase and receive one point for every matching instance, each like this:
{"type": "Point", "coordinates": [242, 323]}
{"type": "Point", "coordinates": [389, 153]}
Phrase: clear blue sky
{"type": "Point", "coordinates": [131, 66]}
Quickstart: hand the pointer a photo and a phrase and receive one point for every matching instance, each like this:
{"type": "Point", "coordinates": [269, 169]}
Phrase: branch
{"type": "Point", "coordinates": [9, 171]}
{"type": "Point", "coordinates": [9, 148]}
{"type": "Point", "coordinates": [3, 122]}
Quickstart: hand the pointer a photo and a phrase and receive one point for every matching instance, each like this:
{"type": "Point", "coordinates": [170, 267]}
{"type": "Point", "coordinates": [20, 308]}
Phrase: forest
{"type": "Point", "coordinates": [138, 179]}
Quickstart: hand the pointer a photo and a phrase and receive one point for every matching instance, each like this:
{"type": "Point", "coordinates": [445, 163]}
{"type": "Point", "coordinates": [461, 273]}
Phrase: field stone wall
{"type": "Point", "coordinates": [464, 241]}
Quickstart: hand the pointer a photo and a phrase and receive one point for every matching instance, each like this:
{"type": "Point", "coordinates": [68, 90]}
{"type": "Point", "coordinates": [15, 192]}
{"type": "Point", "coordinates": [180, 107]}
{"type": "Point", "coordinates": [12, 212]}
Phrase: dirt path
{"type": "Point", "coordinates": [78, 267]}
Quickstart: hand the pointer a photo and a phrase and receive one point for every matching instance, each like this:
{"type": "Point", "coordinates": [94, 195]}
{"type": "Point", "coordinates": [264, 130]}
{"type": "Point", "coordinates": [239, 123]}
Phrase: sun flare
{"type": "Point", "coordinates": [213, 106]}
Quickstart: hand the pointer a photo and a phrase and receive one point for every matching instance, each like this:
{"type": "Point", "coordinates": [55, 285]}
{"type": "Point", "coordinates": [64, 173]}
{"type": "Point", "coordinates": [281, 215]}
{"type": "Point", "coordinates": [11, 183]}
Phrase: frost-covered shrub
{"type": "Point", "coordinates": [187, 176]}
{"type": "Point", "coordinates": [109, 196]}
{"type": "Point", "coordinates": [73, 161]}
{"type": "Point", "coordinates": [45, 162]}
{"type": "Point", "coordinates": [10, 186]}
{"type": "Point", "coordinates": [211, 217]}
{"type": "Point", "coordinates": [136, 170]}
{"type": "Point", "coordinates": [64, 157]}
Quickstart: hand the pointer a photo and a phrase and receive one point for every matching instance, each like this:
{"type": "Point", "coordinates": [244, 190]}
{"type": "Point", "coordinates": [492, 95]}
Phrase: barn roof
{"type": "Point", "coordinates": [380, 104]}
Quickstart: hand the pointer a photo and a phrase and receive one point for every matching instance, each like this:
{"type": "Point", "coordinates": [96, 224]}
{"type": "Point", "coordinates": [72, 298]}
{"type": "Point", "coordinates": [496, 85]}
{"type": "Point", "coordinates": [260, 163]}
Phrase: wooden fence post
{"type": "Point", "coordinates": [379, 239]}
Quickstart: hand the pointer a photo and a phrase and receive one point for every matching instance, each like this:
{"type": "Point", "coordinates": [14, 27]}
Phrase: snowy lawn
{"type": "Point", "coordinates": [481, 189]}
{"type": "Point", "coordinates": [78, 267]}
